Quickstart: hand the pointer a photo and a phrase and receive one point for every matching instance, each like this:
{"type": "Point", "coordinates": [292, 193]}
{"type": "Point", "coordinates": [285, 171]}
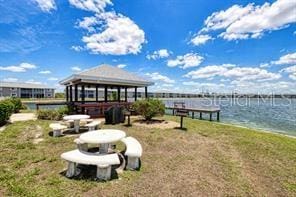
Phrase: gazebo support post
{"type": "Point", "coordinates": [97, 93]}
{"type": "Point", "coordinates": [136, 94]}
{"type": "Point", "coordinates": [67, 93]}
{"type": "Point", "coordinates": [76, 93]}
{"type": "Point", "coordinates": [71, 94]}
{"type": "Point", "coordinates": [146, 92]}
{"type": "Point", "coordinates": [83, 98]}
{"type": "Point", "coordinates": [118, 94]}
{"type": "Point", "coordinates": [125, 95]}
{"type": "Point", "coordinates": [106, 94]}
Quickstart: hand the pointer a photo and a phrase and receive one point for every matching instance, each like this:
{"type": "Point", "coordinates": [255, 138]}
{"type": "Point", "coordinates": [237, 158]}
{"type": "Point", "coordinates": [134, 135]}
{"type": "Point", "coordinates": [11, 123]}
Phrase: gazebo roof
{"type": "Point", "coordinates": [106, 75]}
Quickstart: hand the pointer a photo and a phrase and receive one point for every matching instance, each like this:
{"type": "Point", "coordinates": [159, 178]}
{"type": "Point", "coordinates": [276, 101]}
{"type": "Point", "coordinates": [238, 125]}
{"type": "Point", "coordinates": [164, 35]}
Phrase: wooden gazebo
{"type": "Point", "coordinates": [107, 79]}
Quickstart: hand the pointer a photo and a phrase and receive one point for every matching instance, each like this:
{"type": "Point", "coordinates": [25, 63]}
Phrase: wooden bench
{"type": "Point", "coordinates": [93, 125]}
{"type": "Point", "coordinates": [133, 152]}
{"type": "Point", "coordinates": [103, 163]}
{"type": "Point", "coordinates": [57, 129]}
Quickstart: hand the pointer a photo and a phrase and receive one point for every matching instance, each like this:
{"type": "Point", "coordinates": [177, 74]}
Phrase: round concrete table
{"type": "Point", "coordinates": [103, 137]}
{"type": "Point", "coordinates": [76, 119]}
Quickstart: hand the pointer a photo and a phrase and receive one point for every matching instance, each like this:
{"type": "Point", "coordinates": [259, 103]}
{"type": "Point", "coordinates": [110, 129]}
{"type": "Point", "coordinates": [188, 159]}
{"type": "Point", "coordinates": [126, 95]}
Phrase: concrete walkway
{"type": "Point", "coordinates": [22, 117]}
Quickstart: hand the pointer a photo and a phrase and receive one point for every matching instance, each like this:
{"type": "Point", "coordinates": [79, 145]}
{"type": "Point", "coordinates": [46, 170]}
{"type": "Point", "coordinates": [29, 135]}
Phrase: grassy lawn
{"type": "Point", "coordinates": [208, 159]}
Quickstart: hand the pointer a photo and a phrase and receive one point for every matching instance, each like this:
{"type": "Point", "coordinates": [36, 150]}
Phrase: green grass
{"type": "Point", "coordinates": [207, 159]}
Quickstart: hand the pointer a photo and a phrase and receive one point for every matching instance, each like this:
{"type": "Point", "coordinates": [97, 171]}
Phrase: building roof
{"type": "Point", "coordinates": [109, 75]}
{"type": "Point", "coordinates": [22, 85]}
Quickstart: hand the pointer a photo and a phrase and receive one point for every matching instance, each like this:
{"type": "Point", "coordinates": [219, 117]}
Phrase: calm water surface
{"type": "Point", "coordinates": [275, 115]}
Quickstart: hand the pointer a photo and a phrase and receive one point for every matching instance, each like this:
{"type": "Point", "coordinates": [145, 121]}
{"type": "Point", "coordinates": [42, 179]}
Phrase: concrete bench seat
{"type": "Point", "coordinates": [93, 125]}
{"type": "Point", "coordinates": [83, 122]}
{"type": "Point", "coordinates": [103, 162]}
{"type": "Point", "coordinates": [81, 145]}
{"type": "Point", "coordinates": [57, 129]}
{"type": "Point", "coordinates": [133, 152]}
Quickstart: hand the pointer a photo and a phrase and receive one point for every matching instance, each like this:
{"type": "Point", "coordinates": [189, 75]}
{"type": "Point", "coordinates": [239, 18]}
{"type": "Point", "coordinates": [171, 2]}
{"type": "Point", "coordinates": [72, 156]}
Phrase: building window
{"type": "Point", "coordinates": [12, 89]}
{"type": "Point", "coordinates": [49, 95]}
{"type": "Point", "coordinates": [13, 95]}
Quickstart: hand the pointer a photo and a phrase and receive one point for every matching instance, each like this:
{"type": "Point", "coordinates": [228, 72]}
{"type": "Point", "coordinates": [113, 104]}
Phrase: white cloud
{"type": "Point", "coordinates": [158, 77]}
{"type": "Point", "coordinates": [251, 21]}
{"type": "Point", "coordinates": [76, 68]}
{"type": "Point", "coordinates": [77, 48]}
{"type": "Point", "coordinates": [286, 59]}
{"type": "Point", "coordinates": [121, 65]}
{"type": "Point", "coordinates": [46, 5]}
{"type": "Point", "coordinates": [291, 70]}
{"type": "Point", "coordinates": [10, 79]}
{"type": "Point", "coordinates": [120, 36]}
{"type": "Point", "coordinates": [293, 76]}
{"type": "Point", "coordinates": [264, 87]}
{"type": "Point", "coordinates": [32, 81]}
{"type": "Point", "coordinates": [231, 71]}
{"type": "Point", "coordinates": [200, 39]}
{"type": "Point", "coordinates": [52, 79]}
{"type": "Point", "coordinates": [264, 65]}
{"type": "Point", "coordinates": [23, 67]}
{"type": "Point", "coordinates": [45, 72]}
{"type": "Point", "coordinates": [97, 6]}
{"type": "Point", "coordinates": [88, 23]}
{"type": "Point", "coordinates": [162, 53]}
{"type": "Point", "coordinates": [186, 61]}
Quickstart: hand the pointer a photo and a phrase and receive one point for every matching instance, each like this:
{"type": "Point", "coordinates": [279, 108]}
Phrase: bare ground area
{"type": "Point", "coordinates": [208, 159]}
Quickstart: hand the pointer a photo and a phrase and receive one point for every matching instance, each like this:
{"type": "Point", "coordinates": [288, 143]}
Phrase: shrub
{"type": "Point", "coordinates": [6, 109]}
{"type": "Point", "coordinates": [52, 114]}
{"type": "Point", "coordinates": [149, 108]}
{"type": "Point", "coordinates": [17, 104]}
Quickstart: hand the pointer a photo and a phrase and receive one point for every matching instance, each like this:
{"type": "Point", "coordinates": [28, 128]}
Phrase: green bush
{"type": "Point", "coordinates": [17, 104]}
{"type": "Point", "coordinates": [52, 114]}
{"type": "Point", "coordinates": [7, 107]}
{"type": "Point", "coordinates": [149, 108]}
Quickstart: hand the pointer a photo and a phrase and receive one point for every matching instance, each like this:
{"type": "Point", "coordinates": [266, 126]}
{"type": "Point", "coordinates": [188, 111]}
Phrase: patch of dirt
{"type": "Point", "coordinates": [22, 117]}
{"type": "Point", "coordinates": [33, 133]}
{"type": "Point", "coordinates": [156, 124]}
{"type": "Point", "coordinates": [2, 128]}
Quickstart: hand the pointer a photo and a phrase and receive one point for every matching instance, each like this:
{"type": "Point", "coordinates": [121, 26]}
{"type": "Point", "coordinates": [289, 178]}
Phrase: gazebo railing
{"type": "Point", "coordinates": [96, 110]}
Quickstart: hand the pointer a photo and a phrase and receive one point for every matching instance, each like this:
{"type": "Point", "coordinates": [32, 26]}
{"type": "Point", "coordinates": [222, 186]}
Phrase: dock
{"type": "Point", "coordinates": [201, 110]}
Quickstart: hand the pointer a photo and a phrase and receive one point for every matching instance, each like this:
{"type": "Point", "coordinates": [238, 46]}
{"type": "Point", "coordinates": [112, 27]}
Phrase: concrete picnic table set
{"type": "Point", "coordinates": [73, 122]}
{"type": "Point", "coordinates": [106, 157]}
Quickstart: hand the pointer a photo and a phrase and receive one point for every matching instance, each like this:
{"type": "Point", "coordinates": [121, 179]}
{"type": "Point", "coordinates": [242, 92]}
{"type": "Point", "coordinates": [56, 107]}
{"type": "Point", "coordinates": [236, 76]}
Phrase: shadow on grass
{"type": "Point", "coordinates": [179, 128]}
{"type": "Point", "coordinates": [69, 132]}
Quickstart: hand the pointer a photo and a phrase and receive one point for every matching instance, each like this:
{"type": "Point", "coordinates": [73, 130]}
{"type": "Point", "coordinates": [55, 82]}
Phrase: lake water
{"type": "Point", "coordinates": [272, 114]}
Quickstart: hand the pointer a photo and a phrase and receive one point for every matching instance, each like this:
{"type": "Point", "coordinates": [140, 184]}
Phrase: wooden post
{"type": "Point", "coordinates": [218, 116]}
{"type": "Point", "coordinates": [106, 94]}
{"type": "Point", "coordinates": [181, 123]}
{"type": "Point", "coordinates": [118, 94]}
{"type": "Point", "coordinates": [200, 115]}
{"type": "Point", "coordinates": [82, 93]}
{"type": "Point", "coordinates": [125, 95]}
{"type": "Point", "coordinates": [97, 93]}
{"type": "Point", "coordinates": [193, 115]}
{"type": "Point", "coordinates": [67, 93]}
{"type": "Point", "coordinates": [146, 92]}
{"type": "Point", "coordinates": [71, 94]}
{"type": "Point", "coordinates": [136, 94]}
{"type": "Point", "coordinates": [210, 116]}
{"type": "Point", "coordinates": [76, 92]}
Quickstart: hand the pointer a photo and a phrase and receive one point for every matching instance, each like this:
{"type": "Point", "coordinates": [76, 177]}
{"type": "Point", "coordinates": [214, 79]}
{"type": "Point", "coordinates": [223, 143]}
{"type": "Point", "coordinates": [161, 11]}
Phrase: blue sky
{"type": "Point", "coordinates": [182, 45]}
